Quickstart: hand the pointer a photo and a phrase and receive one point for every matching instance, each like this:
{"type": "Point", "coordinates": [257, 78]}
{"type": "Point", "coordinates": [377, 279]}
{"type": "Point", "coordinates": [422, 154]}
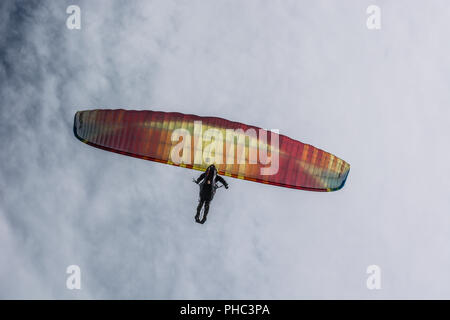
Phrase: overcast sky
{"type": "Point", "coordinates": [378, 99]}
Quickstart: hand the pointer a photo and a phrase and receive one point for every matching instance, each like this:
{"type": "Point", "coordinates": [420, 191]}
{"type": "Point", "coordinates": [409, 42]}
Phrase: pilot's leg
{"type": "Point", "coordinates": [199, 208]}
{"type": "Point", "coordinates": [205, 213]}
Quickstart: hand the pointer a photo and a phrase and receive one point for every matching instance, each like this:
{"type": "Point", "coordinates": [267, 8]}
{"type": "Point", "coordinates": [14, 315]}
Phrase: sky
{"type": "Point", "coordinates": [378, 99]}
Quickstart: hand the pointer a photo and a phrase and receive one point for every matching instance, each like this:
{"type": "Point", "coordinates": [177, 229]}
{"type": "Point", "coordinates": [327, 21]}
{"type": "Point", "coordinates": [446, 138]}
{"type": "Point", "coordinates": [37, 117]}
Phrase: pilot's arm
{"type": "Point", "coordinates": [222, 181]}
{"type": "Point", "coordinates": [202, 176]}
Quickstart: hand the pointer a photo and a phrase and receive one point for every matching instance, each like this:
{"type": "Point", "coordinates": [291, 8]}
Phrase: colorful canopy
{"type": "Point", "coordinates": [238, 150]}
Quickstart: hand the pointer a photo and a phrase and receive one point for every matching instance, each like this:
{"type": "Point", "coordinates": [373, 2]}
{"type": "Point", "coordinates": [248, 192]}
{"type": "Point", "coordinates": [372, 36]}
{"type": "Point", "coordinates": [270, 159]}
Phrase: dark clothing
{"type": "Point", "coordinates": [199, 208]}
{"type": "Point", "coordinates": [207, 182]}
{"type": "Point", "coordinates": [207, 190]}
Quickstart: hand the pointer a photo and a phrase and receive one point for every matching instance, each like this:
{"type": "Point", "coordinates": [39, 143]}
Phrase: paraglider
{"type": "Point", "coordinates": [237, 150]}
{"type": "Point", "coordinates": [208, 186]}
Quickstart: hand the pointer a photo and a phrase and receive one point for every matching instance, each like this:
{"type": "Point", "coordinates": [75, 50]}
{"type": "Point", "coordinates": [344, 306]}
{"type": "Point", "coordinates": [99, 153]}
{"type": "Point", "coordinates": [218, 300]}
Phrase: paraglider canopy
{"type": "Point", "coordinates": [237, 150]}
